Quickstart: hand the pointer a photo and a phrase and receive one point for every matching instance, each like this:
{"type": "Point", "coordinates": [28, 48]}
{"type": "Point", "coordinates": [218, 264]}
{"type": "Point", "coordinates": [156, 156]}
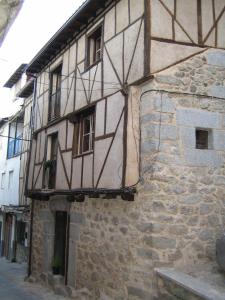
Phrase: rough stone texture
{"type": "Point", "coordinates": [8, 12]}
{"type": "Point", "coordinates": [179, 210]}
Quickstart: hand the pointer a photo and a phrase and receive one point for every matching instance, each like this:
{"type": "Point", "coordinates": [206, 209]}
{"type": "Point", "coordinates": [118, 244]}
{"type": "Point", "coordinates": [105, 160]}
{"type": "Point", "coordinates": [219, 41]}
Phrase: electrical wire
{"type": "Point", "coordinates": [14, 138]}
{"type": "Point", "coordinates": [79, 90]}
{"type": "Point", "coordinates": [86, 79]}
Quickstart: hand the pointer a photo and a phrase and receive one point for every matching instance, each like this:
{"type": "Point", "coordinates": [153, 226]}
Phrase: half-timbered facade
{"type": "Point", "coordinates": [128, 106]}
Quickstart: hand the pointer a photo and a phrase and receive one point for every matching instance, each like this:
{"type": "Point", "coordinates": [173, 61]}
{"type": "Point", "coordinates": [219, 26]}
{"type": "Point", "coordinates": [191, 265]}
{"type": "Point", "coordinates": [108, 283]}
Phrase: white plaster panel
{"type": "Point", "coordinates": [42, 146]}
{"type": "Point", "coordinates": [95, 83]}
{"type": "Point", "coordinates": [219, 5]}
{"type": "Point", "coordinates": [62, 134]}
{"type": "Point", "coordinates": [70, 135]}
{"type": "Point", "coordinates": [110, 29]}
{"type": "Point", "coordinates": [207, 17]}
{"type": "Point", "coordinates": [31, 167]}
{"type": "Point", "coordinates": [64, 95]}
{"type": "Point", "coordinates": [171, 53]}
{"type": "Point", "coordinates": [61, 182]}
{"type": "Point", "coordinates": [56, 63]}
{"type": "Point", "coordinates": [159, 28]}
{"type": "Point", "coordinates": [122, 15]}
{"type": "Point", "coordinates": [46, 80]}
{"type": "Point", "coordinates": [101, 149]}
{"type": "Point", "coordinates": [42, 82]}
{"type": "Point", "coordinates": [65, 65]}
{"type": "Point", "coordinates": [137, 67]}
{"type": "Point", "coordinates": [38, 112]}
{"type": "Point", "coordinates": [87, 171]}
{"type": "Point", "coordinates": [211, 39]}
{"type": "Point", "coordinates": [67, 158]}
{"type": "Point", "coordinates": [115, 106]}
{"type": "Point", "coordinates": [111, 83]}
{"type": "Point", "coordinates": [52, 129]}
{"type": "Point", "coordinates": [76, 176]}
{"type": "Point", "coordinates": [180, 35]}
{"type": "Point", "coordinates": [81, 49]}
{"type": "Point", "coordinates": [81, 100]}
{"type": "Point", "coordinates": [115, 50]}
{"type": "Point", "coordinates": [100, 118]}
{"type": "Point", "coordinates": [38, 171]}
{"type": "Point", "coordinates": [221, 35]}
{"type": "Point", "coordinates": [170, 5]}
{"type": "Point", "coordinates": [131, 35]}
{"type": "Point", "coordinates": [136, 9]}
{"type": "Point", "coordinates": [112, 173]}
{"type": "Point", "coordinates": [45, 108]}
{"type": "Point", "coordinates": [72, 58]}
{"type": "Point", "coordinates": [70, 102]}
{"type": "Point", "coordinates": [187, 16]}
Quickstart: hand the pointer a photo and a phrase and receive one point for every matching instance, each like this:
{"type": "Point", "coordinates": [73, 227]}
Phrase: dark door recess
{"type": "Point", "coordinates": [60, 240]}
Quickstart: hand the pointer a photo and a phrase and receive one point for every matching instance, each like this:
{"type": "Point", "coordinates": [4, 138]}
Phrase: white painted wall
{"type": "Point", "coordinates": [8, 195]}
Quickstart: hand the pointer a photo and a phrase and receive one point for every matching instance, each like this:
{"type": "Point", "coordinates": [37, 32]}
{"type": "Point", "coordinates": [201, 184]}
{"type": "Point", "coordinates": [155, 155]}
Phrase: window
{"type": "Point", "coordinates": [51, 162]}
{"type": "Point", "coordinates": [15, 138]}
{"type": "Point", "coordinates": [55, 94]}
{"type": "Point", "coordinates": [20, 232]}
{"type": "Point", "coordinates": [203, 138]}
{"type": "Point", "coordinates": [10, 185]}
{"type": "Point", "coordinates": [94, 43]}
{"type": "Point", "coordinates": [84, 133]}
{"type": "Point", "coordinates": [3, 181]}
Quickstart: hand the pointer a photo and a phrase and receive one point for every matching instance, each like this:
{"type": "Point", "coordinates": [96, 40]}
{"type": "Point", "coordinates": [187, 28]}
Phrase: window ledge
{"type": "Point", "coordinates": [83, 154]}
{"type": "Point", "coordinates": [87, 68]}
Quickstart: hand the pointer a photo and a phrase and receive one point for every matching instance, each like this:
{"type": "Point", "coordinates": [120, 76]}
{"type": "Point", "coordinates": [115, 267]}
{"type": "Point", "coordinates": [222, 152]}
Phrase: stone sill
{"type": "Point", "coordinates": [191, 284]}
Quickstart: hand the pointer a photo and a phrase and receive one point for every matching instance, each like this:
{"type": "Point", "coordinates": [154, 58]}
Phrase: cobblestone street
{"type": "Point", "coordinates": [13, 286]}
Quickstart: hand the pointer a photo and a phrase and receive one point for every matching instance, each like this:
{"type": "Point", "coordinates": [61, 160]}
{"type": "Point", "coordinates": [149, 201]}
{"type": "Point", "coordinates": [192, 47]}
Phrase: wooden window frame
{"type": "Point", "coordinates": [55, 93]}
{"type": "Point", "coordinates": [79, 134]}
{"type": "Point", "coordinates": [50, 163]}
{"type": "Point", "coordinates": [92, 38]}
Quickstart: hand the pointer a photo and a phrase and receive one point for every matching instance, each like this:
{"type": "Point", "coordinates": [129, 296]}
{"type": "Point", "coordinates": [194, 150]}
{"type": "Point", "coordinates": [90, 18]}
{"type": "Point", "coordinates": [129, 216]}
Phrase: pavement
{"type": "Point", "coordinates": [13, 286]}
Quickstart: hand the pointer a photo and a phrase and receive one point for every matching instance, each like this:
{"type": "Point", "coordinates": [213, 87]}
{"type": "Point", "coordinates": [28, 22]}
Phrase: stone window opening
{"type": "Point", "coordinates": [203, 138]}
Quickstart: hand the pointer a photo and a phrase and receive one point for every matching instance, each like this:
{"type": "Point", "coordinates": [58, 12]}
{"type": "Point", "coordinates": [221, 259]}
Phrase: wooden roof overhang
{"type": "Point", "coordinates": [27, 90]}
{"type": "Point", "coordinates": [68, 32]}
{"type": "Point", "coordinates": [15, 76]}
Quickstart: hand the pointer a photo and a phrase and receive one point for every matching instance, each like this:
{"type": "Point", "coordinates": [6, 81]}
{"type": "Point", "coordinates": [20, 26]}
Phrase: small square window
{"type": "Point", "coordinates": [202, 139]}
{"type": "Point", "coordinates": [94, 44]}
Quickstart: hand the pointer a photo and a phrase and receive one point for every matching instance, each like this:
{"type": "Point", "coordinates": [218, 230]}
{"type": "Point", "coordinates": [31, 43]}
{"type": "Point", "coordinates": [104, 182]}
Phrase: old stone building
{"type": "Point", "coordinates": [127, 159]}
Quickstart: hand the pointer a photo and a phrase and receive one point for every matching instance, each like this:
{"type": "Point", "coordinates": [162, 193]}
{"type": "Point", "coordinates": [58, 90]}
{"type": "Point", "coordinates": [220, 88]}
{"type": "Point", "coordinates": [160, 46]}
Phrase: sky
{"type": "Point", "coordinates": [35, 24]}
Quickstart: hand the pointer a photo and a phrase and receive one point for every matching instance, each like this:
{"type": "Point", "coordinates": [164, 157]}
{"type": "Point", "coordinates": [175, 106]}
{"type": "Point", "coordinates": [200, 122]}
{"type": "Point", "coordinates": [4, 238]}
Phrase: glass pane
{"type": "Point", "coordinates": [86, 143]}
{"type": "Point", "coordinates": [87, 125]}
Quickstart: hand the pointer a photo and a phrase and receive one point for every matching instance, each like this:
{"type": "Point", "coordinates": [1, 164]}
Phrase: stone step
{"type": "Point", "coordinates": [174, 285]}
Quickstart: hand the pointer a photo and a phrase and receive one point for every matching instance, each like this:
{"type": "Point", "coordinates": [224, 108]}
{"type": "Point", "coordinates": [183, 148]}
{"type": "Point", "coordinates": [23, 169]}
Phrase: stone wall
{"type": "Point", "coordinates": [179, 209]}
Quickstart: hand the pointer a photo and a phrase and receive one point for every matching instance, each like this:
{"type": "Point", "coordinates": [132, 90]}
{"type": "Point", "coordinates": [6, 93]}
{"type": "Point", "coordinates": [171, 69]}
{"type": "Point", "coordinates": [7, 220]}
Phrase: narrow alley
{"type": "Point", "coordinates": [13, 286]}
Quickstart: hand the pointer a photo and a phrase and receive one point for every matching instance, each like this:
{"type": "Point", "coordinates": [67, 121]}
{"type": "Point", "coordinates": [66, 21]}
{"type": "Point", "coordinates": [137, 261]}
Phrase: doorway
{"type": "Point", "coordinates": [59, 259]}
{"type": "Point", "coordinates": [7, 235]}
